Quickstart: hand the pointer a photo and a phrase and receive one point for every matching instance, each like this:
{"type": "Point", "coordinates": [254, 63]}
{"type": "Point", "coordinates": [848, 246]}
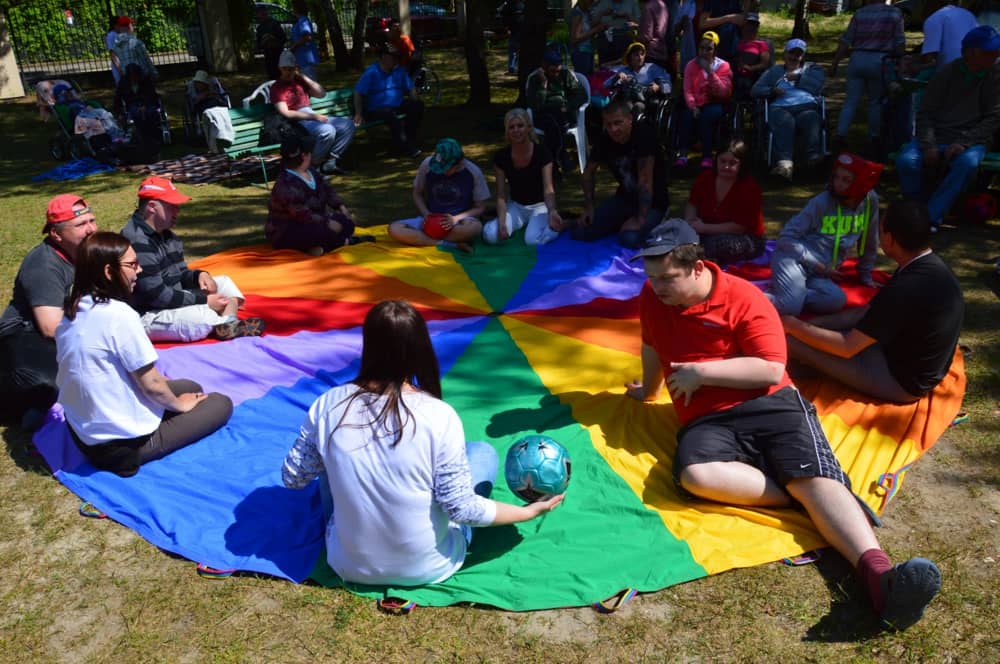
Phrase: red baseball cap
{"type": "Point", "coordinates": [60, 209]}
{"type": "Point", "coordinates": [161, 189]}
{"type": "Point", "coordinates": [123, 21]}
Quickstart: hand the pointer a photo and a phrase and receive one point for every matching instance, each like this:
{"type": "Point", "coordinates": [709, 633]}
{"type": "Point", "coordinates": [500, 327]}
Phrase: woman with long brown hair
{"type": "Point", "coordinates": [396, 474]}
{"type": "Point", "coordinates": [120, 410]}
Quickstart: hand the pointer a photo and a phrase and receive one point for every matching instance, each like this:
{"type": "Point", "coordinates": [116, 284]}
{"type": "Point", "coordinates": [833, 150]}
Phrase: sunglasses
{"type": "Point", "coordinates": [134, 265]}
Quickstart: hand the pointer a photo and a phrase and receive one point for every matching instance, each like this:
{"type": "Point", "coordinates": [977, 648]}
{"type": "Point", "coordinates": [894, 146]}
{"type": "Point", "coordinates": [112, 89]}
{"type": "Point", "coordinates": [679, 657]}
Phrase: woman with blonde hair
{"type": "Point", "coordinates": [526, 196]}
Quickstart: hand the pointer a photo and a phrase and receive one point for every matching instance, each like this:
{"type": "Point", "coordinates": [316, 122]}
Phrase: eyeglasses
{"type": "Point", "coordinates": [134, 265]}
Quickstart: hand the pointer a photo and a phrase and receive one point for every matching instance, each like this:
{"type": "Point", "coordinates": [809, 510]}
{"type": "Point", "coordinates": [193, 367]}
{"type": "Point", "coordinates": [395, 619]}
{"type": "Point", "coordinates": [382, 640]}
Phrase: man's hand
{"type": "Point", "coordinates": [502, 233]}
{"type": "Point", "coordinates": [684, 380]}
{"type": "Point", "coordinates": [953, 151]}
{"type": "Point", "coordinates": [636, 390]}
{"type": "Point", "coordinates": [207, 283]}
{"type": "Point", "coordinates": [555, 221]}
{"type": "Point", "coordinates": [358, 120]}
{"type": "Point", "coordinates": [931, 157]}
{"type": "Point", "coordinates": [188, 401]}
{"type": "Point", "coordinates": [217, 303]}
{"type": "Point", "coordinates": [697, 225]}
{"type": "Point", "coordinates": [319, 117]}
{"type": "Point", "coordinates": [334, 225]}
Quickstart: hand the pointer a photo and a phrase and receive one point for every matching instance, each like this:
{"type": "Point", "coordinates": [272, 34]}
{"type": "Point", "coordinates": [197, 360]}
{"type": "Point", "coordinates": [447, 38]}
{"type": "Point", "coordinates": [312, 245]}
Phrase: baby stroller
{"type": "Point", "coordinates": [86, 129]}
{"type": "Point", "coordinates": [206, 112]}
{"type": "Point", "coordinates": [140, 109]}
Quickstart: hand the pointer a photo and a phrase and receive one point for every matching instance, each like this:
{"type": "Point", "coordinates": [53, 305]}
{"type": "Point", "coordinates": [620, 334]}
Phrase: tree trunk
{"type": "Point", "coordinates": [533, 33]}
{"type": "Point", "coordinates": [801, 28]}
{"type": "Point", "coordinates": [360, 19]}
{"type": "Point", "coordinates": [475, 56]}
{"type": "Point", "coordinates": [340, 52]}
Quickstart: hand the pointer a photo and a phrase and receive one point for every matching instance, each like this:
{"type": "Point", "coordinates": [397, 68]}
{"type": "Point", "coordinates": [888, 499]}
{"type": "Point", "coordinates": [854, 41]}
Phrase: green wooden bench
{"type": "Point", "coordinates": [248, 121]}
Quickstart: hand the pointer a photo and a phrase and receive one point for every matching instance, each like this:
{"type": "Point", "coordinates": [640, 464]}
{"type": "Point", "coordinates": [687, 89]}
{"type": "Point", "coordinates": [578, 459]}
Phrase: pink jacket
{"type": "Point", "coordinates": [701, 89]}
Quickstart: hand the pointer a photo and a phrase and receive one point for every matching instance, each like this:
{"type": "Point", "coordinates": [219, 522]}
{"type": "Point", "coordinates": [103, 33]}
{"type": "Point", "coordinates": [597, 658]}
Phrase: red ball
{"type": "Point", "coordinates": [433, 227]}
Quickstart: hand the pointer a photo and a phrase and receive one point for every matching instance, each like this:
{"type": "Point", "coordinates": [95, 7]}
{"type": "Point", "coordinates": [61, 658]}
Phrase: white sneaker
{"type": "Point", "coordinates": [783, 169]}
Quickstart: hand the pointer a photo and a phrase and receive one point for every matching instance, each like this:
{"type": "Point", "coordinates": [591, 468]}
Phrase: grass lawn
{"type": "Point", "coordinates": [81, 590]}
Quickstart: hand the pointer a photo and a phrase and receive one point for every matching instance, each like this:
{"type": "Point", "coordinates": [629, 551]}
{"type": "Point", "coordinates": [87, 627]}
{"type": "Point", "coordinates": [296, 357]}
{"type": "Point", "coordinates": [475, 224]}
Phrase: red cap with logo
{"type": "Point", "coordinates": [161, 189]}
{"type": "Point", "coordinates": [122, 21]}
{"type": "Point", "coordinates": [60, 209]}
{"type": "Point", "coordinates": [866, 174]}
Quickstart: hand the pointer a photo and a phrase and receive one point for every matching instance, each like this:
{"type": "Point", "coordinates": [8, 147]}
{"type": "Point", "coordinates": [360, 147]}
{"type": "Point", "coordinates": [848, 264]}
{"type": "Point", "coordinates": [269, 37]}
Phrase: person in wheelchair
{"type": "Point", "coordinates": [792, 92]}
{"type": "Point", "coordinates": [137, 99]}
{"type": "Point", "coordinates": [753, 57]}
{"type": "Point", "coordinates": [639, 82]}
{"type": "Point", "coordinates": [708, 87]}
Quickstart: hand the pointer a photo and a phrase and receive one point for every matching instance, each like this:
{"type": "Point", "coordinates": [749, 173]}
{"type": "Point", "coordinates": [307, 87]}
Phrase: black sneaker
{"type": "Point", "coordinates": [330, 167]}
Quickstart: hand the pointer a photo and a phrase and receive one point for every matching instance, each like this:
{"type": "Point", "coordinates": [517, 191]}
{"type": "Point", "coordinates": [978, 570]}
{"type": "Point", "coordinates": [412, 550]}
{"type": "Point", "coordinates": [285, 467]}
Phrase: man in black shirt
{"type": "Point", "coordinates": [900, 346]}
{"type": "Point", "coordinates": [28, 325]}
{"type": "Point", "coordinates": [632, 152]}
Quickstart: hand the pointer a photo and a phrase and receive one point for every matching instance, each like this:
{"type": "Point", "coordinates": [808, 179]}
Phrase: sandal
{"type": "Point", "coordinates": [248, 327]}
{"type": "Point", "coordinates": [806, 558]}
{"type": "Point", "coordinates": [88, 510]}
{"type": "Point", "coordinates": [358, 239]}
{"type": "Point", "coordinates": [615, 602]}
{"type": "Point", "coordinates": [206, 572]}
{"type": "Point", "coordinates": [395, 606]}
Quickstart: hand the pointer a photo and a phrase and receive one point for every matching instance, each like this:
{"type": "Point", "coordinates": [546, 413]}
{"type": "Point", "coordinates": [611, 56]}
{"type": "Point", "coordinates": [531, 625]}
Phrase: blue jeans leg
{"type": "Point", "coordinates": [332, 137]}
{"type": "Point", "coordinates": [910, 168]}
{"type": "Point", "coordinates": [961, 170]}
{"type": "Point", "coordinates": [823, 295]}
{"type": "Point", "coordinates": [782, 124]}
{"type": "Point", "coordinates": [484, 465]}
{"type": "Point", "coordinates": [788, 284]}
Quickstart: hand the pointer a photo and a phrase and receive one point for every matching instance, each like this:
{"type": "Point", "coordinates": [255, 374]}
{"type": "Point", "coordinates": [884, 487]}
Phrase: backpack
{"type": "Point", "coordinates": [277, 127]}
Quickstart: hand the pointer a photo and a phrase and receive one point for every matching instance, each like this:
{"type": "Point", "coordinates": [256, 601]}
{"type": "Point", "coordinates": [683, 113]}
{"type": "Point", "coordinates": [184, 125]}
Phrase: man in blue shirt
{"type": "Point", "coordinates": [303, 43]}
{"type": "Point", "coordinates": [380, 94]}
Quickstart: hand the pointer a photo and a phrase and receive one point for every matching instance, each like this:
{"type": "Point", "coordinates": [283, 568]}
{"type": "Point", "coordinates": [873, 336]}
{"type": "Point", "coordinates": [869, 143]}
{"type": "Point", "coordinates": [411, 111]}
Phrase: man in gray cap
{"type": "Point", "coordinates": [747, 436]}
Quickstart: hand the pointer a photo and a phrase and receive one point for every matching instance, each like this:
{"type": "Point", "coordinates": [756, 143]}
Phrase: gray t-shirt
{"type": "Point", "coordinates": [43, 280]}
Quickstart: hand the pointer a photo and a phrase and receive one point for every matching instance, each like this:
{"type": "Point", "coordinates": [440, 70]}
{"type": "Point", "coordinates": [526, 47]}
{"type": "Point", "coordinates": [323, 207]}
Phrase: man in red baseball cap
{"type": "Point", "coordinates": [27, 327]}
{"type": "Point", "coordinates": [176, 302]}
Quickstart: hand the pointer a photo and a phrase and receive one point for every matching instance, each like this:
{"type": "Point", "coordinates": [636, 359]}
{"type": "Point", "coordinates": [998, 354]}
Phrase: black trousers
{"type": "Point", "coordinates": [403, 132]}
{"type": "Point", "coordinates": [27, 371]}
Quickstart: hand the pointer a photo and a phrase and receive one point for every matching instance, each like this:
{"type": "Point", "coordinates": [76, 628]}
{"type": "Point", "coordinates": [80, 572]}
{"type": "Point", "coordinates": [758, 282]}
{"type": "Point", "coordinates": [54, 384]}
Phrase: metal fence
{"type": "Point", "coordinates": [75, 43]}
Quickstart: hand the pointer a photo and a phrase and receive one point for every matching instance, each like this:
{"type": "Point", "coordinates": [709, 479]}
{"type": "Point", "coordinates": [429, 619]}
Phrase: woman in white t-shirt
{"type": "Point", "coordinates": [400, 485]}
{"type": "Point", "coordinates": [120, 410]}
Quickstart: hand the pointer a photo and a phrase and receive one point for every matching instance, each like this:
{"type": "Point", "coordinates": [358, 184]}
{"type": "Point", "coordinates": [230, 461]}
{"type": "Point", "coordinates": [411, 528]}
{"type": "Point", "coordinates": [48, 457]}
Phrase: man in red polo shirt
{"type": "Point", "coordinates": [747, 436]}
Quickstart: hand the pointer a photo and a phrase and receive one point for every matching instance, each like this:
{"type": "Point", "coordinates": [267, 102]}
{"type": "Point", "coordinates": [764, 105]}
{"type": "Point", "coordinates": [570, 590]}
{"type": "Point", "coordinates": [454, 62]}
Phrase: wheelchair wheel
{"type": "Point", "coordinates": [428, 86]}
{"type": "Point", "coordinates": [79, 147]}
{"type": "Point", "coordinates": [58, 148]}
{"type": "Point", "coordinates": [664, 125]}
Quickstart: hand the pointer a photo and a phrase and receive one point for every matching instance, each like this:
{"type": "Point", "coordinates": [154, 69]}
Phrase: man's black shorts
{"type": "Point", "coordinates": [778, 433]}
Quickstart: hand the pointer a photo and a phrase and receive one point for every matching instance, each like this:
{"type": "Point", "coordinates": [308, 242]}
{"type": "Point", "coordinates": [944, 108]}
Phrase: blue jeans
{"type": "Point", "coordinates": [786, 121]}
{"type": "Point", "coordinates": [793, 288]}
{"type": "Point", "coordinates": [332, 137]}
{"type": "Point", "coordinates": [483, 462]}
{"type": "Point", "coordinates": [708, 120]}
{"type": "Point", "coordinates": [864, 76]}
{"type": "Point", "coordinates": [961, 170]}
{"type": "Point", "coordinates": [609, 217]}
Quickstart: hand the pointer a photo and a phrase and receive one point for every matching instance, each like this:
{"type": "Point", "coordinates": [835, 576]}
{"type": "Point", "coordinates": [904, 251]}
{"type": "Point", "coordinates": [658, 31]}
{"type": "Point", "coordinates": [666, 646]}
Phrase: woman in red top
{"type": "Point", "coordinates": [725, 208]}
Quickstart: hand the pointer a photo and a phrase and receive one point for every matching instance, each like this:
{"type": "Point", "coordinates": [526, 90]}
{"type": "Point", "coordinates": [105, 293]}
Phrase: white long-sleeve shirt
{"type": "Point", "coordinates": [395, 508]}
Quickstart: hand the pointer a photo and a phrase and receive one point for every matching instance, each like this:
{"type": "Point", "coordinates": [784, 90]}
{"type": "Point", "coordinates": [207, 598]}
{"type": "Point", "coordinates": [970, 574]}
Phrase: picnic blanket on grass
{"type": "Point", "coordinates": [207, 168]}
{"type": "Point", "coordinates": [530, 340]}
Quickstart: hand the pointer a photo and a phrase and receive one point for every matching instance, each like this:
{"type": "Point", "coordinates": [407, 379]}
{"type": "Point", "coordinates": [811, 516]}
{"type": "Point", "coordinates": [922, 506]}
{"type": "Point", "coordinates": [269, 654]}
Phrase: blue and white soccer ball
{"type": "Point", "coordinates": [537, 468]}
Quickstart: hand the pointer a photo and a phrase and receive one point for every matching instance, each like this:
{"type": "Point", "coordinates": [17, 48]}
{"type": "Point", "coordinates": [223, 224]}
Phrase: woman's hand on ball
{"type": "Point", "coordinates": [545, 506]}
